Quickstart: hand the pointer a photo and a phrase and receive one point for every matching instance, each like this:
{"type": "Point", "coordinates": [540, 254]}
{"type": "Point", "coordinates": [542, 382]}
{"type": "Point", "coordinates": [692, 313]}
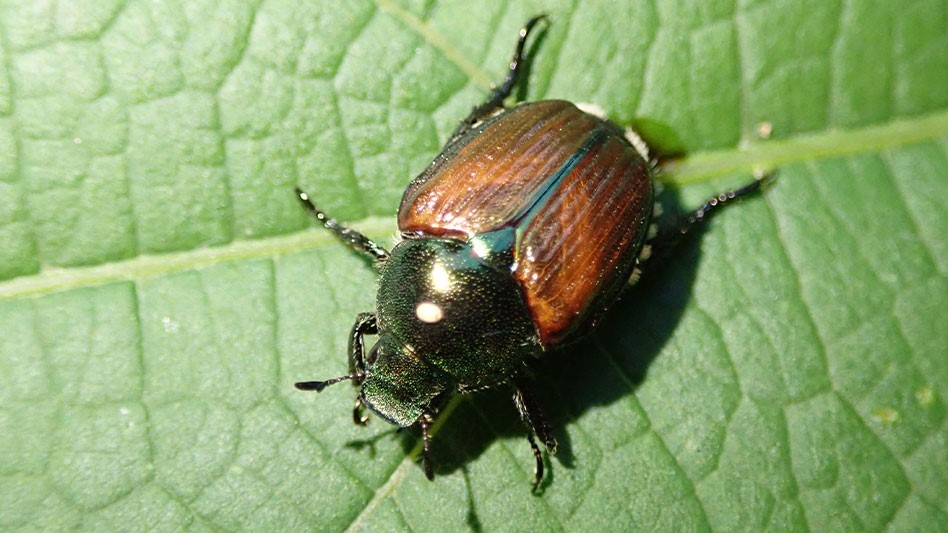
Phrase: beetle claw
{"type": "Point", "coordinates": [358, 413]}
{"type": "Point", "coordinates": [550, 446]}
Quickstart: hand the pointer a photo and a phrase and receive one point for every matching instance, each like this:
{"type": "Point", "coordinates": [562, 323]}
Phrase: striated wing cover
{"type": "Point", "coordinates": [575, 193]}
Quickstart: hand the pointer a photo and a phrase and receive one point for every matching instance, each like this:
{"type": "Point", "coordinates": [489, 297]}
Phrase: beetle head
{"type": "Point", "coordinates": [398, 386]}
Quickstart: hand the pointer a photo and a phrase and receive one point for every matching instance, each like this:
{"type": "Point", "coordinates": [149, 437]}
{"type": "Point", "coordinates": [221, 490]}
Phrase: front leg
{"type": "Point", "coordinates": [355, 240]}
{"type": "Point", "coordinates": [365, 324]}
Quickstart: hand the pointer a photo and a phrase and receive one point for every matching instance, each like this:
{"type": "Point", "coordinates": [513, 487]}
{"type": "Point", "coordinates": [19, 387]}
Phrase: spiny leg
{"type": "Point", "coordinates": [499, 94]}
{"type": "Point", "coordinates": [668, 238]}
{"type": "Point", "coordinates": [425, 422]}
{"type": "Point", "coordinates": [532, 416]}
{"type": "Point", "coordinates": [716, 203]}
{"type": "Point", "coordinates": [496, 99]}
{"type": "Point", "coordinates": [365, 324]}
{"type": "Point", "coordinates": [351, 237]}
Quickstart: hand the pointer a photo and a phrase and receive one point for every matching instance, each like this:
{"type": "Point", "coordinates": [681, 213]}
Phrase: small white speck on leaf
{"type": "Point", "coordinates": [169, 324]}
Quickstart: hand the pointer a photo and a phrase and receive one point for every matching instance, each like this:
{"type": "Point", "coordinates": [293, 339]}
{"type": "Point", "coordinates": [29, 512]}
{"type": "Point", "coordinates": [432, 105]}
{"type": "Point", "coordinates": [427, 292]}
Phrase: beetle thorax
{"type": "Point", "coordinates": [455, 311]}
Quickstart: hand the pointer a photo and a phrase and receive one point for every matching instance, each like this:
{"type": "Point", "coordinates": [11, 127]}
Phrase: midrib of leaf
{"type": "Point", "coordinates": [395, 479]}
{"type": "Point", "coordinates": [700, 167]}
{"type": "Point", "coordinates": [150, 266]}
{"type": "Point", "coordinates": [703, 166]}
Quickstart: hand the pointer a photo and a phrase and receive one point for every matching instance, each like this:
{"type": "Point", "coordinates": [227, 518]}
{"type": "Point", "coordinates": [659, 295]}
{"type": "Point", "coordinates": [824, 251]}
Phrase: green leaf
{"type": "Point", "coordinates": [163, 290]}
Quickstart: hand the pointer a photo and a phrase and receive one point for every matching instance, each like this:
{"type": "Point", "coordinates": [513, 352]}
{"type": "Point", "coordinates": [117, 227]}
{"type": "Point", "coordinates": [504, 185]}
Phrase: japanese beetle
{"type": "Point", "coordinates": [515, 240]}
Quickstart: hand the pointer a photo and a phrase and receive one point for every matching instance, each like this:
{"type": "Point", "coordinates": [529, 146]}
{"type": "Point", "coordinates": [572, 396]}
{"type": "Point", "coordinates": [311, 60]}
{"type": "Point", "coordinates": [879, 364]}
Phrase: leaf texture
{"type": "Point", "coordinates": [162, 290]}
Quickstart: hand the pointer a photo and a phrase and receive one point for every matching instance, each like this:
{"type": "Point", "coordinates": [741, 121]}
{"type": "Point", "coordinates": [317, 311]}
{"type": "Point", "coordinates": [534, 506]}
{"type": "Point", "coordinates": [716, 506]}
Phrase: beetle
{"type": "Point", "coordinates": [515, 240]}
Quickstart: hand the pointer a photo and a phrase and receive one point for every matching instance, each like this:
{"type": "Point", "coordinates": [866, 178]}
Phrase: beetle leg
{"type": "Point", "coordinates": [665, 240]}
{"type": "Point", "coordinates": [425, 422]}
{"type": "Point", "coordinates": [532, 416]}
{"type": "Point", "coordinates": [715, 204]}
{"type": "Point", "coordinates": [351, 237]}
{"type": "Point", "coordinates": [365, 324]}
{"type": "Point", "coordinates": [496, 99]}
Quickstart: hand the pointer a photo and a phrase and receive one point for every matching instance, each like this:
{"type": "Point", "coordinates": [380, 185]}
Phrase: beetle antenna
{"type": "Point", "coordinates": [318, 386]}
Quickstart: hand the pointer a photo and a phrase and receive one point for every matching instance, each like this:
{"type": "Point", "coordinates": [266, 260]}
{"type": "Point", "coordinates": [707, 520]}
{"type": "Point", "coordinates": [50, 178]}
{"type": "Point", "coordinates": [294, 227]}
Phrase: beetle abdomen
{"type": "Point", "coordinates": [576, 193]}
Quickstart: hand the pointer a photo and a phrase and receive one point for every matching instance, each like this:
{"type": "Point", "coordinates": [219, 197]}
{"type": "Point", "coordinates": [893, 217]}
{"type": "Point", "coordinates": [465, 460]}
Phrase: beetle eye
{"type": "Point", "coordinates": [429, 313]}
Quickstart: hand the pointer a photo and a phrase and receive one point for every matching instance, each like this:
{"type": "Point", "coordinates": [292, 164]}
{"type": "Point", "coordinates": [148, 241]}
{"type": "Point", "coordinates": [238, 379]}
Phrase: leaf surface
{"type": "Point", "coordinates": [162, 290]}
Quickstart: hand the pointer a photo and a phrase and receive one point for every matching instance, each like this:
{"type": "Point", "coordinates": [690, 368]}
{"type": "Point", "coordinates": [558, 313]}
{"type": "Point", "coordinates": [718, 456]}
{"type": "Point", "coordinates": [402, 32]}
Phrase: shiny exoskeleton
{"type": "Point", "coordinates": [516, 239]}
